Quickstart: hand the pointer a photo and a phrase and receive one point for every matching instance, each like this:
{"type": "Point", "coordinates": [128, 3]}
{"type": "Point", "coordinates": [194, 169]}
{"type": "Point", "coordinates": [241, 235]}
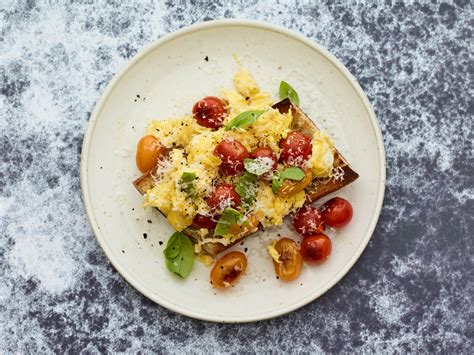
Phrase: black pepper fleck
{"type": "Point", "coordinates": [206, 58]}
{"type": "Point", "coordinates": [149, 221]}
{"type": "Point", "coordinates": [160, 242]}
{"type": "Point", "coordinates": [145, 235]}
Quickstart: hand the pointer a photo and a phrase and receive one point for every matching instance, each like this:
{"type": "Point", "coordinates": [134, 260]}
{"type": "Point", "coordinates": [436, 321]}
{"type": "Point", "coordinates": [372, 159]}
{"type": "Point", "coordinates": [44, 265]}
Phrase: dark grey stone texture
{"type": "Point", "coordinates": [412, 289]}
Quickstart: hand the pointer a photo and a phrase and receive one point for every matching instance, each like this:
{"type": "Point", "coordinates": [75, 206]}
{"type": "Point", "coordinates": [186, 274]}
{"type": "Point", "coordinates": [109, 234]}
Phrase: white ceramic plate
{"type": "Point", "coordinates": [169, 76]}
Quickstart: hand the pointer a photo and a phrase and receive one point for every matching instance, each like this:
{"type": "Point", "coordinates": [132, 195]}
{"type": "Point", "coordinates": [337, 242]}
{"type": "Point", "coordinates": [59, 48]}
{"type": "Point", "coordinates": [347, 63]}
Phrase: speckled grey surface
{"type": "Point", "coordinates": [412, 289]}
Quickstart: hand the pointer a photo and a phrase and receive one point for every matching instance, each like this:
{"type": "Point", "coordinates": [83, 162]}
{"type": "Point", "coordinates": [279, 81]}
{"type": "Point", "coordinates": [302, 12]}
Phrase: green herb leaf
{"type": "Point", "coordinates": [229, 217]}
{"type": "Point", "coordinates": [244, 119]}
{"type": "Point", "coordinates": [286, 91]}
{"type": "Point", "coordinates": [258, 166]}
{"type": "Point", "coordinates": [173, 247]}
{"type": "Point", "coordinates": [179, 253]}
{"type": "Point", "coordinates": [277, 182]}
{"type": "Point", "coordinates": [292, 173]}
{"type": "Point", "coordinates": [187, 184]}
{"type": "Point", "coordinates": [246, 187]}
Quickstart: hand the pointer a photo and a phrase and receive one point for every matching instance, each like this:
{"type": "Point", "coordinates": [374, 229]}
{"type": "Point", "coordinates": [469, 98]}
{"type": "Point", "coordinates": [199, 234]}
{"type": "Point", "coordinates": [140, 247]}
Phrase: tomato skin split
{"type": "Point", "coordinates": [228, 269]}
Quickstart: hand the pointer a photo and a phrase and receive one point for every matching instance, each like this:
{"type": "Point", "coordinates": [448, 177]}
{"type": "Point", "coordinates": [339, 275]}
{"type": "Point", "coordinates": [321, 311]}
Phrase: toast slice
{"type": "Point", "coordinates": [320, 187]}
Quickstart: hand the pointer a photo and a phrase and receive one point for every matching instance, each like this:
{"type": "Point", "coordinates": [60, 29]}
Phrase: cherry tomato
{"type": "Point", "coordinates": [210, 112]}
{"type": "Point", "coordinates": [309, 220]}
{"type": "Point", "coordinates": [337, 212]}
{"type": "Point", "coordinates": [291, 187]}
{"type": "Point", "coordinates": [316, 248]}
{"type": "Point", "coordinates": [228, 269]}
{"type": "Point", "coordinates": [265, 152]}
{"type": "Point", "coordinates": [232, 153]}
{"type": "Point", "coordinates": [295, 148]}
{"type": "Point", "coordinates": [223, 196]}
{"type": "Point", "coordinates": [245, 228]}
{"type": "Point", "coordinates": [149, 150]}
{"type": "Point", "coordinates": [289, 266]}
{"type": "Point", "coordinates": [204, 222]}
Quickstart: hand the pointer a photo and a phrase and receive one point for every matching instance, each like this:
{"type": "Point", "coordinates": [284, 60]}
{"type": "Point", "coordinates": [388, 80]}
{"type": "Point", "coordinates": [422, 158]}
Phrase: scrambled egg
{"type": "Point", "coordinates": [271, 209]}
{"type": "Point", "coordinates": [322, 157]}
{"type": "Point", "coordinates": [192, 151]}
{"type": "Point", "coordinates": [273, 252]}
{"type": "Point", "coordinates": [175, 132]}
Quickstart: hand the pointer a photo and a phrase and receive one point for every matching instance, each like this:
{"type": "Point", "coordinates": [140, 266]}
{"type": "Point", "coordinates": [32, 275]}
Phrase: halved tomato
{"type": "Point", "coordinates": [289, 262]}
{"type": "Point", "coordinates": [290, 187]}
{"type": "Point", "coordinates": [228, 269]}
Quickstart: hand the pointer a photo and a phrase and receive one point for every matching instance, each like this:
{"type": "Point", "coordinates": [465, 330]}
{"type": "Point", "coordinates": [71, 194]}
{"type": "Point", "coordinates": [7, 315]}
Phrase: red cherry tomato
{"type": "Point", "coordinates": [337, 212]}
{"type": "Point", "coordinates": [309, 220]}
{"type": "Point", "coordinates": [295, 148]}
{"type": "Point", "coordinates": [316, 248]}
{"type": "Point", "coordinates": [232, 153]}
{"type": "Point", "coordinates": [265, 152]}
{"type": "Point", "coordinates": [223, 196]}
{"type": "Point", "coordinates": [204, 222]}
{"type": "Point", "coordinates": [210, 112]}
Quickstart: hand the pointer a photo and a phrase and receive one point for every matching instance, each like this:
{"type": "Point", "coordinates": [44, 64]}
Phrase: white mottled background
{"type": "Point", "coordinates": [412, 289]}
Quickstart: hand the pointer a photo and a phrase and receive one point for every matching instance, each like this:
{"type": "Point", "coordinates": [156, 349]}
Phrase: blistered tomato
{"type": "Point", "coordinates": [316, 248]}
{"type": "Point", "coordinates": [337, 212]}
{"type": "Point", "coordinates": [289, 262]}
{"type": "Point", "coordinates": [204, 222]}
{"type": "Point", "coordinates": [228, 269]}
{"type": "Point", "coordinates": [223, 196]}
{"type": "Point", "coordinates": [295, 148]}
{"type": "Point", "coordinates": [309, 220]}
{"type": "Point", "coordinates": [232, 153]}
{"type": "Point", "coordinates": [210, 112]}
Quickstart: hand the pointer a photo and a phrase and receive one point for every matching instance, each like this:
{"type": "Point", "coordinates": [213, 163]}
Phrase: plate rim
{"type": "Point", "coordinates": [196, 314]}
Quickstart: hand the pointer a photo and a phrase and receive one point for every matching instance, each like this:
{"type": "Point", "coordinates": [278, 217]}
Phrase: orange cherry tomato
{"type": "Point", "coordinates": [228, 269]}
{"type": "Point", "coordinates": [246, 228]}
{"type": "Point", "coordinates": [289, 266]}
{"type": "Point", "coordinates": [149, 150]}
{"type": "Point", "coordinates": [316, 248]}
{"type": "Point", "coordinates": [290, 187]}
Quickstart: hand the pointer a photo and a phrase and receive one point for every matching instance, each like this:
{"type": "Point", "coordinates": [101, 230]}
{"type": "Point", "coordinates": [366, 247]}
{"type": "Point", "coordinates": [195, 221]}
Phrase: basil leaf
{"type": "Point", "coordinates": [277, 182]}
{"type": "Point", "coordinates": [187, 184]}
{"type": "Point", "coordinates": [229, 216]}
{"type": "Point", "coordinates": [258, 166]}
{"type": "Point", "coordinates": [244, 119]}
{"type": "Point", "coordinates": [292, 173]}
{"type": "Point", "coordinates": [286, 91]}
{"type": "Point", "coordinates": [173, 247]}
{"type": "Point", "coordinates": [179, 253]}
{"type": "Point", "coordinates": [246, 187]}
